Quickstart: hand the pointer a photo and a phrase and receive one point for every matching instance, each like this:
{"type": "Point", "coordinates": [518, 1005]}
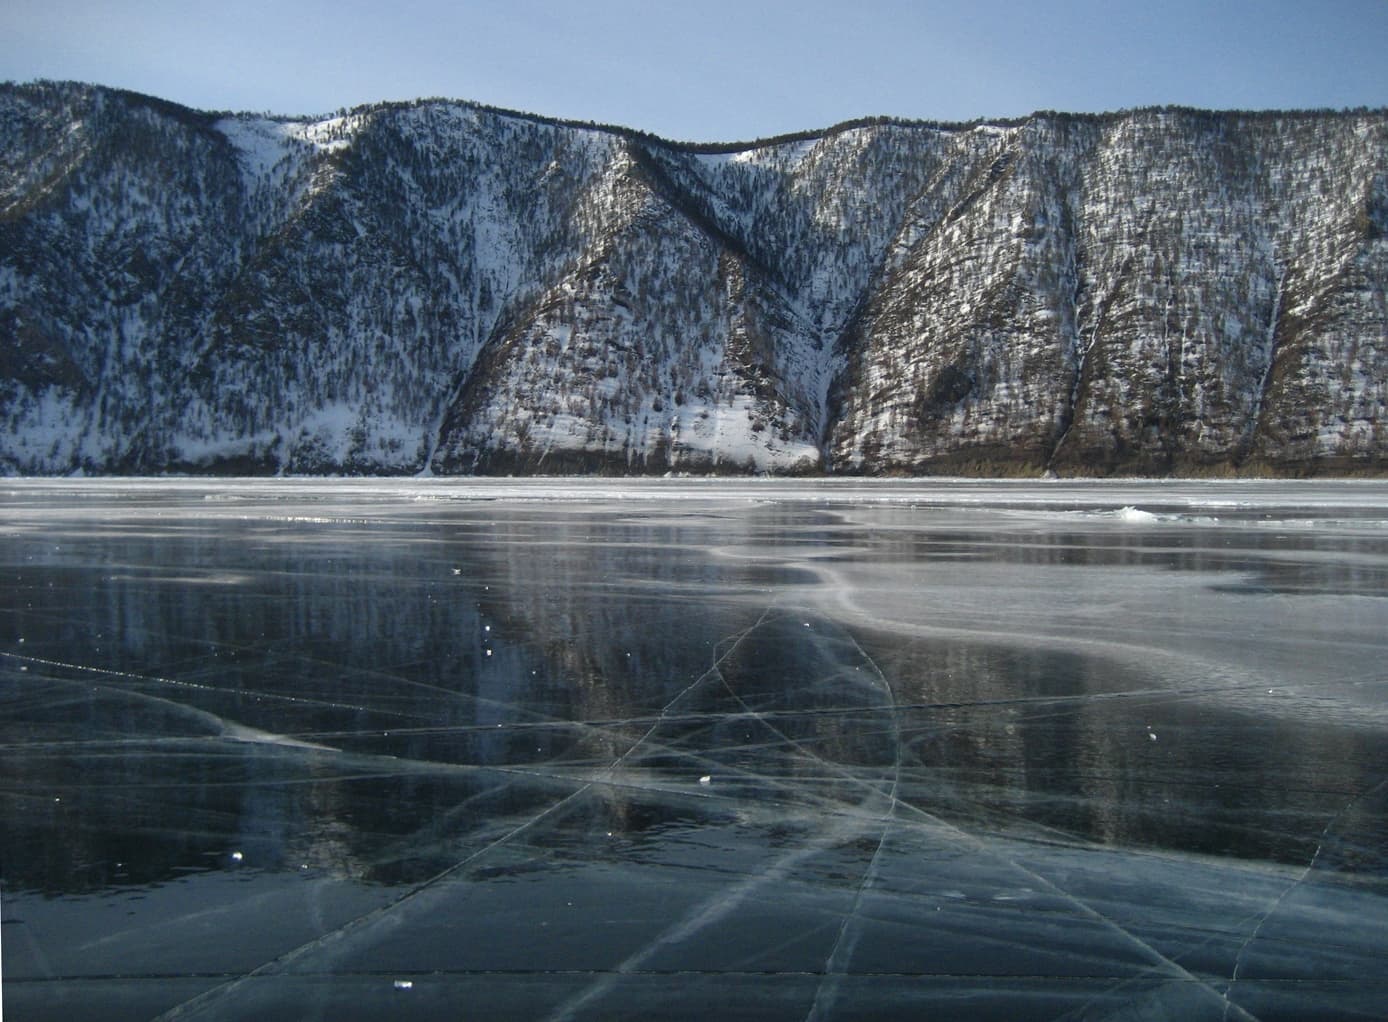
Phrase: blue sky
{"type": "Point", "coordinates": [716, 69]}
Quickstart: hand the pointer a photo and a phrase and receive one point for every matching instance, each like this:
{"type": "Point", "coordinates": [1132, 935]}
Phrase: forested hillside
{"type": "Point", "coordinates": [442, 287]}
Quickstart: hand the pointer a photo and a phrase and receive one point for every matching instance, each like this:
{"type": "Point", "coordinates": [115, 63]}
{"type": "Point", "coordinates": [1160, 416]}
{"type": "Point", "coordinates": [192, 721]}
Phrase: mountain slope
{"type": "Point", "coordinates": [441, 287]}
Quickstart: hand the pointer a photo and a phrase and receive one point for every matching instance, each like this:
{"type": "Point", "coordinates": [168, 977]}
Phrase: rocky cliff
{"type": "Point", "coordinates": [442, 287]}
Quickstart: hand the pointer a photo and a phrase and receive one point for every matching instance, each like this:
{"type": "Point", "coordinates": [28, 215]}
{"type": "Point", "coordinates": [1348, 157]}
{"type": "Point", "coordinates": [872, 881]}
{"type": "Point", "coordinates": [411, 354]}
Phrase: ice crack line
{"type": "Point", "coordinates": [1296, 883]}
{"type": "Point", "coordinates": [155, 679]}
{"type": "Point", "coordinates": [209, 999]}
{"type": "Point", "coordinates": [699, 918]}
{"type": "Point", "coordinates": [850, 930]}
{"type": "Point", "coordinates": [1159, 960]}
{"type": "Point", "coordinates": [717, 908]}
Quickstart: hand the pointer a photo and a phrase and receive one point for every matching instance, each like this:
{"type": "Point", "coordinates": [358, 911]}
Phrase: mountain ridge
{"type": "Point", "coordinates": [441, 286]}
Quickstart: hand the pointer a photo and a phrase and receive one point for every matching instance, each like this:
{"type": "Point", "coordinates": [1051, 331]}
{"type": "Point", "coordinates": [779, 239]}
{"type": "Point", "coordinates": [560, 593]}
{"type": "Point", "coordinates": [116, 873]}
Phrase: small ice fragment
{"type": "Point", "coordinates": [486, 628]}
{"type": "Point", "coordinates": [489, 652]}
{"type": "Point", "coordinates": [706, 780]}
{"type": "Point", "coordinates": [1135, 515]}
{"type": "Point", "coordinates": [1151, 734]}
{"type": "Point", "coordinates": [457, 571]}
{"type": "Point", "coordinates": [236, 856]}
{"type": "Point", "coordinates": [404, 984]}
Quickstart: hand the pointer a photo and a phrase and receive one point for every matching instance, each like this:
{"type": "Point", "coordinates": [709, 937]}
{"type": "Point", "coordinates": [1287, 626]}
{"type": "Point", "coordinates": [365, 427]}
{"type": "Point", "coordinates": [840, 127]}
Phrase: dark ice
{"type": "Point", "coordinates": [688, 750]}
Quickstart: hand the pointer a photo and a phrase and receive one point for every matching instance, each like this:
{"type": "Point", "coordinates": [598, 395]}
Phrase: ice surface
{"type": "Point", "coordinates": [686, 749]}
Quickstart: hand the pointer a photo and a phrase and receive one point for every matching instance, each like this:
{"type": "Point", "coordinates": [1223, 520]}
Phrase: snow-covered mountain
{"type": "Point", "coordinates": [442, 287]}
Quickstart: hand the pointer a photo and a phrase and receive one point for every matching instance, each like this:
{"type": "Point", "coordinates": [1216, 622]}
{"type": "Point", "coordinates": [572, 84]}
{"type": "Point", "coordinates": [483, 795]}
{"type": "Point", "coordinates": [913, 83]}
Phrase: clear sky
{"type": "Point", "coordinates": [714, 70]}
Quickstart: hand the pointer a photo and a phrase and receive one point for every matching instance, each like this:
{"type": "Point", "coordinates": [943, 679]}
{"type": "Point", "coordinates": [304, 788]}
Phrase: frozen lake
{"type": "Point", "coordinates": [441, 749]}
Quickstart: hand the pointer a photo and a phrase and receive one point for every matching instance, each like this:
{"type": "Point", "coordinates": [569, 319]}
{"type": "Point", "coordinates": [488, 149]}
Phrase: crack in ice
{"type": "Point", "coordinates": [209, 999]}
{"type": "Point", "coordinates": [1296, 883]}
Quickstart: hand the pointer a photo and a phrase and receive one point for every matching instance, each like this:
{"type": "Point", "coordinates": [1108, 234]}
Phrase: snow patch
{"type": "Point", "coordinates": [262, 143]}
{"type": "Point", "coordinates": [327, 135]}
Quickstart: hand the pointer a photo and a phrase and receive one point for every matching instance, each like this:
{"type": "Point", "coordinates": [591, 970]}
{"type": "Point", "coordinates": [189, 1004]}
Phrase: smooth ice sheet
{"type": "Point", "coordinates": [683, 749]}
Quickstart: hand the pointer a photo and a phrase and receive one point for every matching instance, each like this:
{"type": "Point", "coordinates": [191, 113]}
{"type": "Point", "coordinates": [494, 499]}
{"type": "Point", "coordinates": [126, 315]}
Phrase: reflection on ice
{"type": "Point", "coordinates": [801, 750]}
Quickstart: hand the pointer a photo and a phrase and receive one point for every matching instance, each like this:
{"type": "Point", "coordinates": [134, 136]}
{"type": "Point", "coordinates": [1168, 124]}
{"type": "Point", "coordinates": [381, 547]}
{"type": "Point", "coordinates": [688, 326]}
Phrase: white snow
{"type": "Point", "coordinates": [262, 143]}
{"type": "Point", "coordinates": [327, 135]}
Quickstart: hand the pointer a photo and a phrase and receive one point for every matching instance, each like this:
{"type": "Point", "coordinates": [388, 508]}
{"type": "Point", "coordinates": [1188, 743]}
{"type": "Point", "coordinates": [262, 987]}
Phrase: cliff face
{"type": "Point", "coordinates": [1160, 292]}
{"type": "Point", "coordinates": [442, 287]}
